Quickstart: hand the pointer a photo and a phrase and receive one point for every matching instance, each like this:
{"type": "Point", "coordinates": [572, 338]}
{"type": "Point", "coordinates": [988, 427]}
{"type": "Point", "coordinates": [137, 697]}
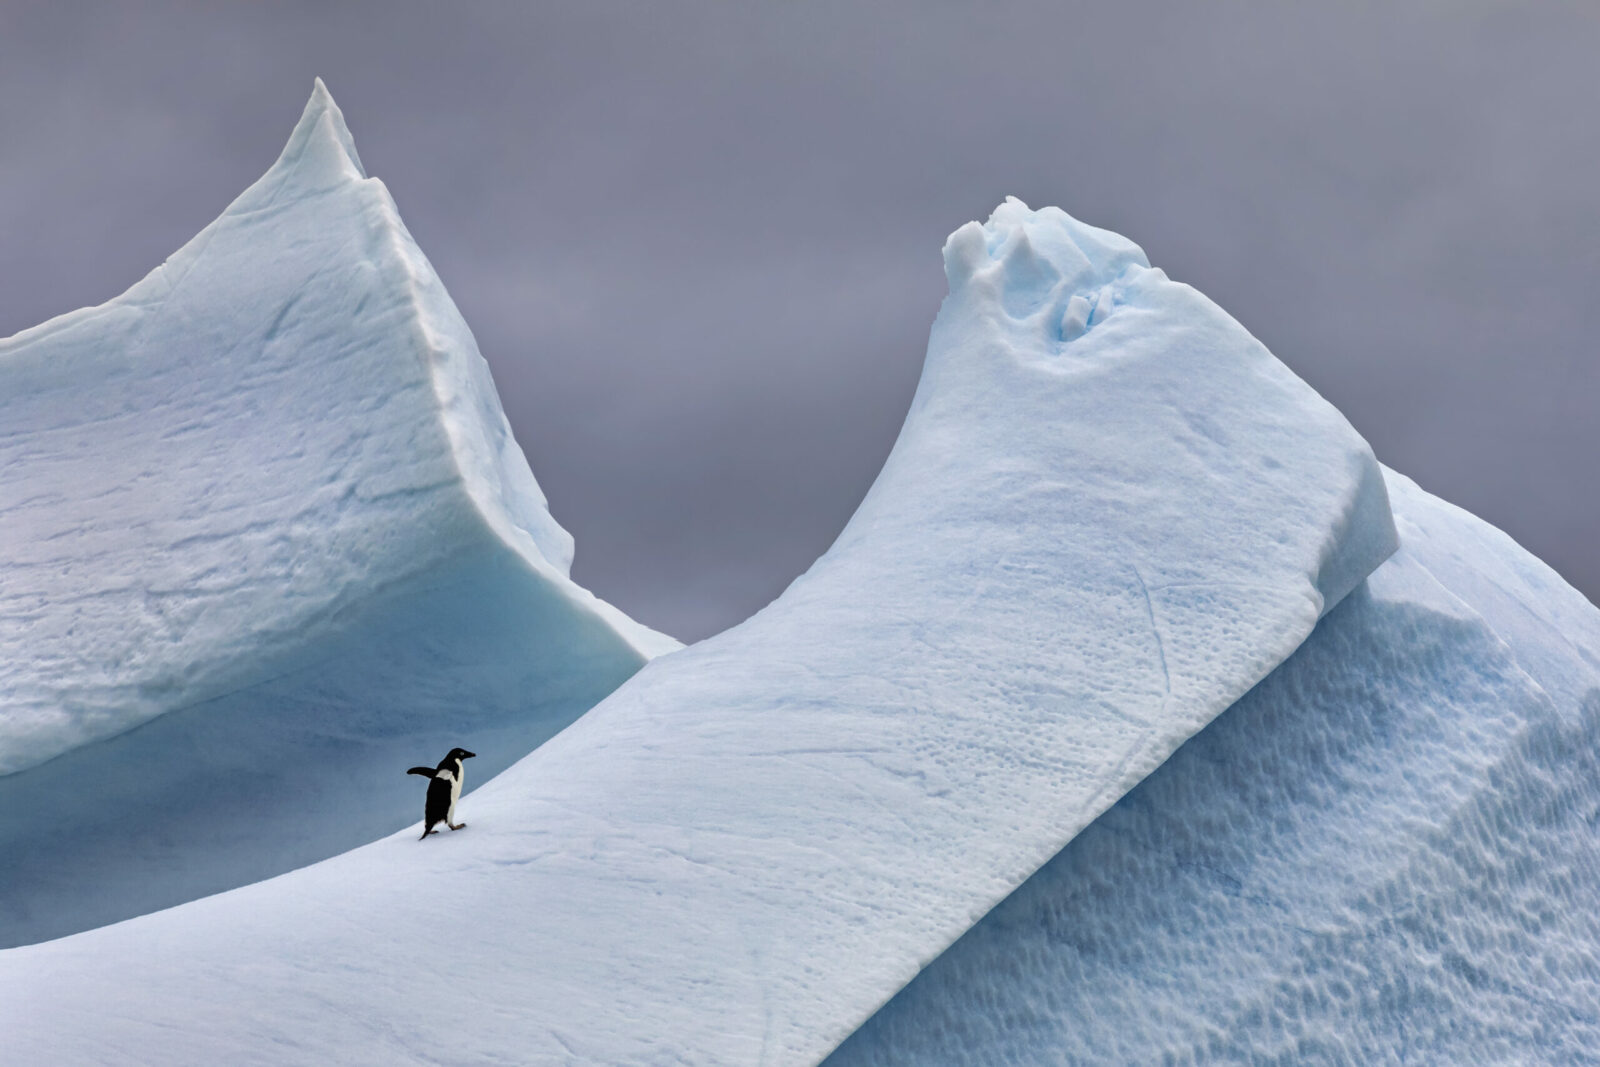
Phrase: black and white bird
{"type": "Point", "coordinates": [444, 789]}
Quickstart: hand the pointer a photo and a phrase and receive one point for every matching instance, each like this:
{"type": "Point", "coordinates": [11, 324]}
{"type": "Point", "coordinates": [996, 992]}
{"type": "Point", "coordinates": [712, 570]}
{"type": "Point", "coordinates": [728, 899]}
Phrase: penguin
{"type": "Point", "coordinates": [444, 789]}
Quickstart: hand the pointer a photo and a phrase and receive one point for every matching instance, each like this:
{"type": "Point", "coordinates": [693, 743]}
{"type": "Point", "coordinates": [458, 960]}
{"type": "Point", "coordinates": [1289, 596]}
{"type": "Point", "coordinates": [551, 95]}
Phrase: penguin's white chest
{"type": "Point", "coordinates": [455, 795]}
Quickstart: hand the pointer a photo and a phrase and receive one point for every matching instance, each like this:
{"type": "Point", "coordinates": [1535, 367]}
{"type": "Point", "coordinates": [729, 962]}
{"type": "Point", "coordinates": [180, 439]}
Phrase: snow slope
{"type": "Point", "coordinates": [266, 541]}
{"type": "Point", "coordinates": [1110, 513]}
{"type": "Point", "coordinates": [1385, 853]}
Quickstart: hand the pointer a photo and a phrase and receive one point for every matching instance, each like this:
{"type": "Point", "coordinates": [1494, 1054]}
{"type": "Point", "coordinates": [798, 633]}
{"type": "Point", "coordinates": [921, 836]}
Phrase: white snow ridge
{"type": "Point", "coordinates": [1124, 722]}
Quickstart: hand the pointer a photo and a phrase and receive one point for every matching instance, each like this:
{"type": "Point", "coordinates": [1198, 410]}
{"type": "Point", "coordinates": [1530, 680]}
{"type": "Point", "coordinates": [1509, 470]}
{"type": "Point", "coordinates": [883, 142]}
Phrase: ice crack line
{"type": "Point", "coordinates": [1161, 650]}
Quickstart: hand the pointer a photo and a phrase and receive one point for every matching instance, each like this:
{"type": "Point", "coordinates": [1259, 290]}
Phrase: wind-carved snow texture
{"type": "Point", "coordinates": [267, 542]}
{"type": "Point", "coordinates": [1080, 551]}
{"type": "Point", "coordinates": [1385, 853]}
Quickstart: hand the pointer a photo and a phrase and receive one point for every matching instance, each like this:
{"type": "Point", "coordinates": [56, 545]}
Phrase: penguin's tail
{"type": "Point", "coordinates": [426, 772]}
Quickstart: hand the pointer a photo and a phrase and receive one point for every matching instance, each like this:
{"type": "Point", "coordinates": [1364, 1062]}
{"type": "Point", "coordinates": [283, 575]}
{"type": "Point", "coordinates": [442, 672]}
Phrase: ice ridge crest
{"type": "Point", "coordinates": [319, 154]}
{"type": "Point", "coordinates": [1041, 272]}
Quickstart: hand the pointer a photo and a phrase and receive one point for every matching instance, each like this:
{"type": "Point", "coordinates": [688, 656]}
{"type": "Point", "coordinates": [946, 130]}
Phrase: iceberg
{"type": "Point", "coordinates": [1110, 514]}
{"type": "Point", "coordinates": [1138, 714]}
{"type": "Point", "coordinates": [1385, 852]}
{"type": "Point", "coordinates": [268, 542]}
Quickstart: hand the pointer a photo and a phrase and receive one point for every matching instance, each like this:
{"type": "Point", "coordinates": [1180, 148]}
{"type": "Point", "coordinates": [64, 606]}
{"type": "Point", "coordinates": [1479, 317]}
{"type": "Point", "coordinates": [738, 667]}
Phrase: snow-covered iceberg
{"type": "Point", "coordinates": [1110, 514]}
{"type": "Point", "coordinates": [1385, 853]}
{"type": "Point", "coordinates": [267, 541]}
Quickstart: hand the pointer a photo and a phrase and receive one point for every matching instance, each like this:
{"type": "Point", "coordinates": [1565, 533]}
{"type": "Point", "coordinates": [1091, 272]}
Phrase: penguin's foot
{"type": "Point", "coordinates": [459, 826]}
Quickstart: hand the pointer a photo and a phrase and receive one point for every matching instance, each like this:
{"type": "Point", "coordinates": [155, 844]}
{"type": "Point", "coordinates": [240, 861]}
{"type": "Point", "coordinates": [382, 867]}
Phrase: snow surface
{"type": "Point", "coordinates": [1098, 529]}
{"type": "Point", "coordinates": [1385, 853]}
{"type": "Point", "coordinates": [266, 541]}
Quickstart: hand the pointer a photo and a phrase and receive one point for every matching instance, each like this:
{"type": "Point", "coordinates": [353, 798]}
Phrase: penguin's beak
{"type": "Point", "coordinates": [468, 755]}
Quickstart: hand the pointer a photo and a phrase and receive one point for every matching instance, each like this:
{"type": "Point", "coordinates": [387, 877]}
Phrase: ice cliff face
{"type": "Point", "coordinates": [1385, 852]}
{"type": "Point", "coordinates": [267, 541]}
{"type": "Point", "coordinates": [1110, 514]}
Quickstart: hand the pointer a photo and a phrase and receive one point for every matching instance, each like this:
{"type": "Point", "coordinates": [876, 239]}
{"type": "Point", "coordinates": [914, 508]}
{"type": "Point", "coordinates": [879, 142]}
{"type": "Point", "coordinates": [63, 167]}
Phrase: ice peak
{"type": "Point", "coordinates": [1028, 256]}
{"type": "Point", "coordinates": [320, 153]}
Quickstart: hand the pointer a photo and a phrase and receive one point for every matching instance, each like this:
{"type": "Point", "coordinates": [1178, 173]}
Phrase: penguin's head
{"type": "Point", "coordinates": [460, 754]}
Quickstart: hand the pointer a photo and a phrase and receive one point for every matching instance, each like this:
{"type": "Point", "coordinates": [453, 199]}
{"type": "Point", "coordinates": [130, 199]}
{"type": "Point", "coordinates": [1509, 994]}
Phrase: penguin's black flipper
{"type": "Point", "coordinates": [426, 772]}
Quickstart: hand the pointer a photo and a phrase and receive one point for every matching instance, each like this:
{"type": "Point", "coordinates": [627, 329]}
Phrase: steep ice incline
{"type": "Point", "coordinates": [265, 541]}
{"type": "Point", "coordinates": [1110, 513]}
{"type": "Point", "coordinates": [1385, 853]}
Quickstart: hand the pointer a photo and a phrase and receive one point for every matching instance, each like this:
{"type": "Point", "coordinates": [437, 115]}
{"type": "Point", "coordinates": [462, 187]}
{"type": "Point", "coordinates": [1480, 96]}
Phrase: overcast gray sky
{"type": "Point", "coordinates": [699, 243]}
